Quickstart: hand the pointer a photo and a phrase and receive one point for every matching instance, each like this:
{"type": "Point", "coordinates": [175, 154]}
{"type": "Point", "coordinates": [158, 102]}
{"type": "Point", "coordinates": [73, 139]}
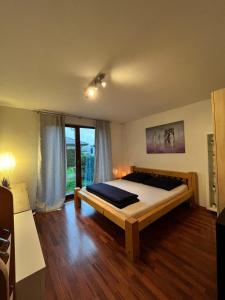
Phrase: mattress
{"type": "Point", "coordinates": [150, 197]}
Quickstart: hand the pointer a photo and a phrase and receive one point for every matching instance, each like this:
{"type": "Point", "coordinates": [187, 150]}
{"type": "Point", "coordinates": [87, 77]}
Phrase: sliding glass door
{"type": "Point", "coordinates": [80, 152]}
{"type": "Point", "coordinates": [87, 143]}
{"type": "Point", "coordinates": [70, 136]}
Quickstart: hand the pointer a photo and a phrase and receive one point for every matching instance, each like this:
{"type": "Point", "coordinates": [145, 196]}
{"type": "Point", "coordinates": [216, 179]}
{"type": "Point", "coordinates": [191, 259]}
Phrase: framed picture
{"type": "Point", "coordinates": [167, 138]}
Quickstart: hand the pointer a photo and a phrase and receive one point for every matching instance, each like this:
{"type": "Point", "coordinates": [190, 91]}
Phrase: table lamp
{"type": "Point", "coordinates": [118, 173]}
{"type": "Point", "coordinates": [7, 165]}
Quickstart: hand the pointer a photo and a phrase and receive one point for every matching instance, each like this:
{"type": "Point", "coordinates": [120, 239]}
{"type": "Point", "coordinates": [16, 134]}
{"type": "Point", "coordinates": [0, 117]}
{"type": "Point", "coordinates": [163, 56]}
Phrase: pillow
{"type": "Point", "coordinates": [164, 183]}
{"type": "Point", "coordinates": [20, 198]}
{"type": "Point", "coordinates": [137, 177]}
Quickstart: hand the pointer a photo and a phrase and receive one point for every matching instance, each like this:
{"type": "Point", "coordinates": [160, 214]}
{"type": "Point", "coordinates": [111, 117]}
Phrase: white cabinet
{"type": "Point", "coordinates": [30, 264]}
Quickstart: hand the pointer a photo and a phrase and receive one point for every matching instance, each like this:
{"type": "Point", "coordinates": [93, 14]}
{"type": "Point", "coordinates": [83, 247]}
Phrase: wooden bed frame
{"type": "Point", "coordinates": [133, 226]}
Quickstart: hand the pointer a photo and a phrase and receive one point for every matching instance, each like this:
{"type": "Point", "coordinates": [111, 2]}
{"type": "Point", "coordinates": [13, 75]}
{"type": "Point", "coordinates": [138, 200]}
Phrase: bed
{"type": "Point", "coordinates": [153, 204]}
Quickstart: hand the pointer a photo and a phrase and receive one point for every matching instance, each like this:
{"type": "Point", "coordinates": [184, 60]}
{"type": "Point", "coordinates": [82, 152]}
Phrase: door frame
{"type": "Point", "coordinates": [77, 155]}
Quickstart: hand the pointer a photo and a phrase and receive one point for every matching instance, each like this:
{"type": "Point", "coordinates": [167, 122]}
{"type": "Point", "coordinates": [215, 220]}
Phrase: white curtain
{"type": "Point", "coordinates": [103, 152]}
{"type": "Point", "coordinates": [52, 171]}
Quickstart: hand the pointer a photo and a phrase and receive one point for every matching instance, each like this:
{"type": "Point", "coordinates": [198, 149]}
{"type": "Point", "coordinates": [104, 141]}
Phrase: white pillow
{"type": "Point", "coordinates": [20, 197]}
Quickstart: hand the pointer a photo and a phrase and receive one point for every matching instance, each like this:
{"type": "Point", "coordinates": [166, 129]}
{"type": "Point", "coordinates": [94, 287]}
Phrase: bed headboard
{"type": "Point", "coordinates": [189, 178]}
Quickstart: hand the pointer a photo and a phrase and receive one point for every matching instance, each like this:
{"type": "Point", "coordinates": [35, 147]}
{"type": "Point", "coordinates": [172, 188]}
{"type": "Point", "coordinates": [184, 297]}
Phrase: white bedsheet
{"type": "Point", "coordinates": [149, 196]}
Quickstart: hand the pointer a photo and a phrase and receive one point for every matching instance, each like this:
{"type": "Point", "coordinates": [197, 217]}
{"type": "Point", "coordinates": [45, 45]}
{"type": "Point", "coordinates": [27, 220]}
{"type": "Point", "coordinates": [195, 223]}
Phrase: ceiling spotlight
{"type": "Point", "coordinates": [98, 81]}
{"type": "Point", "coordinates": [91, 92]}
{"type": "Point", "coordinates": [104, 84]}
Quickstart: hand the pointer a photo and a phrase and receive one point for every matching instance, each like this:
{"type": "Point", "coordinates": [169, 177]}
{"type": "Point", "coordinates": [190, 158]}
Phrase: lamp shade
{"type": "Point", "coordinates": [7, 162]}
{"type": "Point", "coordinates": [115, 172]}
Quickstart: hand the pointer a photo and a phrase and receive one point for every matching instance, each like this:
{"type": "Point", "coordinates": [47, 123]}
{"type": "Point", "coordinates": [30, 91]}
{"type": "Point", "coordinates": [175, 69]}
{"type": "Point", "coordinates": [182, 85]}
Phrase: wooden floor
{"type": "Point", "coordinates": [85, 256]}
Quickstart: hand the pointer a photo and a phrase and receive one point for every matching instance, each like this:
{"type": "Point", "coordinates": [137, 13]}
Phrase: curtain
{"type": "Point", "coordinates": [52, 169]}
{"type": "Point", "coordinates": [103, 152]}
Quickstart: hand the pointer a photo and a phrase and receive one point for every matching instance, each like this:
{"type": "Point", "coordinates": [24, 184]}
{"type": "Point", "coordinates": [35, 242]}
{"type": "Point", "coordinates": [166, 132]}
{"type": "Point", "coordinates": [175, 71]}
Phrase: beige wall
{"type": "Point", "coordinates": [197, 121]}
{"type": "Point", "coordinates": [19, 133]}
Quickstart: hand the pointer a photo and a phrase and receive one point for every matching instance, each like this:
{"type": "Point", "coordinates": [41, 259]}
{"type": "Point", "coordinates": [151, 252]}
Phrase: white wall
{"type": "Point", "coordinates": [197, 122]}
{"type": "Point", "coordinates": [19, 134]}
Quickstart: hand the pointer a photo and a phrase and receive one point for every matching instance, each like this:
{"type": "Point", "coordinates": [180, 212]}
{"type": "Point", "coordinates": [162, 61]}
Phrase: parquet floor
{"type": "Point", "coordinates": [85, 256]}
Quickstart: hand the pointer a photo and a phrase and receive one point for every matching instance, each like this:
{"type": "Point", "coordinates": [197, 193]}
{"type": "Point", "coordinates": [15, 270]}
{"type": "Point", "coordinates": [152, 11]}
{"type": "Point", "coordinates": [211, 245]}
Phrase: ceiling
{"type": "Point", "coordinates": [157, 54]}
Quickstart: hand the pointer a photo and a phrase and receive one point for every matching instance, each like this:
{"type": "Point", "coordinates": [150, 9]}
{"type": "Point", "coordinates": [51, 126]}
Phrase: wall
{"type": "Point", "coordinates": [197, 121]}
{"type": "Point", "coordinates": [19, 133]}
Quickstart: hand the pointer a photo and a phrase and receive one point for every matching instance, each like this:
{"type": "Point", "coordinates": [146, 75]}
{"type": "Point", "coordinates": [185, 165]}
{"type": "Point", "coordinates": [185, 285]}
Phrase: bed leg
{"type": "Point", "coordinates": [191, 202]}
{"type": "Point", "coordinates": [196, 192]}
{"type": "Point", "coordinates": [194, 200]}
{"type": "Point", "coordinates": [77, 201]}
{"type": "Point", "coordinates": [132, 239]}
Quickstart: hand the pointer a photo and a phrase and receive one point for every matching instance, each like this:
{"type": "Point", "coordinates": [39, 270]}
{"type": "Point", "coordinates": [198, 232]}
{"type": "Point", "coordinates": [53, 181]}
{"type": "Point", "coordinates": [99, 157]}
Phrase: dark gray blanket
{"type": "Point", "coordinates": [112, 194]}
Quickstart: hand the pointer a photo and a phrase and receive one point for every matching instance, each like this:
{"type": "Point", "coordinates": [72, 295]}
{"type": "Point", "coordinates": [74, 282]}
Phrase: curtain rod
{"type": "Point", "coordinates": [60, 114]}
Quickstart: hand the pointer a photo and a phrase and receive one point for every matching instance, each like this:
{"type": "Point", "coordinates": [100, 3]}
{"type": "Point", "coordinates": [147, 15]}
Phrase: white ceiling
{"type": "Point", "coordinates": [158, 54]}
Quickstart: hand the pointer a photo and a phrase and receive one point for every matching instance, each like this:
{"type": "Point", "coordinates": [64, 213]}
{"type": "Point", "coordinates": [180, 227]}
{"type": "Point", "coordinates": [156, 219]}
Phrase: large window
{"type": "Point", "coordinates": [80, 151]}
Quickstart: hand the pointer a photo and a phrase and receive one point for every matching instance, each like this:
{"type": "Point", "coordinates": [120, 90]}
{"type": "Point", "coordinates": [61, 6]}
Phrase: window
{"type": "Point", "coordinates": [80, 152]}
